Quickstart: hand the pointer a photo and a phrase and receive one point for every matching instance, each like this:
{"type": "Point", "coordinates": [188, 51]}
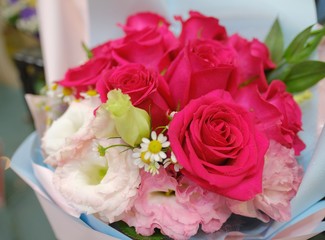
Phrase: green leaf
{"type": "Point", "coordinates": [311, 45]}
{"type": "Point", "coordinates": [87, 50]}
{"type": "Point", "coordinates": [304, 75]}
{"type": "Point", "coordinates": [274, 41]}
{"type": "Point", "coordinates": [130, 232]}
{"type": "Point", "coordinates": [303, 45]}
{"type": "Point", "coordinates": [297, 44]}
{"type": "Point", "coordinates": [279, 73]}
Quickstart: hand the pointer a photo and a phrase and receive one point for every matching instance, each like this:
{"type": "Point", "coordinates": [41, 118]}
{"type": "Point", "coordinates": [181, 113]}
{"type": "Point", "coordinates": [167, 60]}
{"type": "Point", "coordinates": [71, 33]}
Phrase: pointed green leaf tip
{"type": "Point", "coordinates": [87, 50]}
{"type": "Point", "coordinates": [303, 75]}
{"type": "Point", "coordinates": [274, 41]}
{"type": "Point", "coordinates": [303, 45]}
{"type": "Point", "coordinates": [294, 67]}
{"type": "Point", "coordinates": [130, 232]}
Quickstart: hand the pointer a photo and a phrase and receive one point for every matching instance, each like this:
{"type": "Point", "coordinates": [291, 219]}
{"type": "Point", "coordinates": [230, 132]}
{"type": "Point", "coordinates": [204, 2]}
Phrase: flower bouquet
{"type": "Point", "coordinates": [179, 136]}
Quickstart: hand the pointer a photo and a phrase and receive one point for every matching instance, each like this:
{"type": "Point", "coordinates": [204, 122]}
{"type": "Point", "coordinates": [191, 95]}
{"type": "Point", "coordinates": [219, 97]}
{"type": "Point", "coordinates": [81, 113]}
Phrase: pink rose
{"type": "Point", "coordinates": [201, 66]}
{"type": "Point", "coordinates": [147, 89]}
{"type": "Point", "coordinates": [106, 49]}
{"type": "Point", "coordinates": [148, 41]}
{"type": "Point", "coordinates": [218, 145]}
{"type": "Point", "coordinates": [87, 75]}
{"type": "Point", "coordinates": [281, 179]}
{"type": "Point", "coordinates": [146, 47]}
{"type": "Point", "coordinates": [253, 58]}
{"type": "Point", "coordinates": [277, 114]}
{"type": "Point", "coordinates": [199, 26]}
{"type": "Point", "coordinates": [267, 116]}
{"type": "Point", "coordinates": [144, 20]}
{"type": "Point", "coordinates": [287, 130]}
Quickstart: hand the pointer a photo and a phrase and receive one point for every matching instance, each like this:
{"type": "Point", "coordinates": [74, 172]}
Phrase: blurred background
{"type": "Point", "coordinates": [21, 71]}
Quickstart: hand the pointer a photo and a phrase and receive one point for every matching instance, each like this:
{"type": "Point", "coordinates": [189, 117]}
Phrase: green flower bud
{"type": "Point", "coordinates": [131, 123]}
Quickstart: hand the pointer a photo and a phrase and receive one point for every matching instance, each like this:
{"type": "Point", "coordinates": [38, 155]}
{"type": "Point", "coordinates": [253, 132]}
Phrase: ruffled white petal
{"type": "Point", "coordinates": [87, 186]}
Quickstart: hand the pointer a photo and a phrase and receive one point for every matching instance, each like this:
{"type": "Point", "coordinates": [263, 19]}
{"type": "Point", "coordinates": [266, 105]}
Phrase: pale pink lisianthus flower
{"type": "Point", "coordinates": [281, 179]}
{"type": "Point", "coordinates": [157, 207]}
{"type": "Point", "coordinates": [94, 184]}
{"type": "Point", "coordinates": [73, 126]}
{"type": "Point", "coordinates": [210, 206]}
{"type": "Point", "coordinates": [103, 125]}
{"type": "Point", "coordinates": [177, 208]}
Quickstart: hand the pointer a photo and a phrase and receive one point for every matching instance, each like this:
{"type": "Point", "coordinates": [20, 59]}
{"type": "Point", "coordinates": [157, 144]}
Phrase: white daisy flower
{"type": "Point", "coordinates": [54, 90]}
{"type": "Point", "coordinates": [65, 93]}
{"type": "Point", "coordinates": [140, 161]}
{"type": "Point", "coordinates": [89, 94]}
{"type": "Point", "coordinates": [152, 168]}
{"type": "Point", "coordinates": [155, 148]}
{"type": "Point", "coordinates": [172, 160]}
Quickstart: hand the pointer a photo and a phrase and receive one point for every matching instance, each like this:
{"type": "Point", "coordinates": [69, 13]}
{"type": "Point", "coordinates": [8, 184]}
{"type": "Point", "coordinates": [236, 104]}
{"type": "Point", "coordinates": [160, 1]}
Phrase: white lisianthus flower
{"type": "Point", "coordinates": [103, 125]}
{"type": "Point", "coordinates": [106, 185]}
{"type": "Point", "coordinates": [75, 121]}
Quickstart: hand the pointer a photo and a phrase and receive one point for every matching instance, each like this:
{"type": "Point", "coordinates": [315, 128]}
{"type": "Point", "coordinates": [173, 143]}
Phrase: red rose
{"type": "Point", "coordinates": [218, 145]}
{"type": "Point", "coordinates": [198, 26]}
{"type": "Point", "coordinates": [146, 88]}
{"type": "Point", "coordinates": [86, 75]}
{"type": "Point", "coordinates": [147, 47]}
{"type": "Point", "coordinates": [290, 125]}
{"type": "Point", "coordinates": [148, 41]}
{"type": "Point", "coordinates": [200, 67]}
{"type": "Point", "coordinates": [144, 20]}
{"type": "Point", "coordinates": [253, 59]}
{"type": "Point", "coordinates": [277, 114]}
{"type": "Point", "coordinates": [105, 49]}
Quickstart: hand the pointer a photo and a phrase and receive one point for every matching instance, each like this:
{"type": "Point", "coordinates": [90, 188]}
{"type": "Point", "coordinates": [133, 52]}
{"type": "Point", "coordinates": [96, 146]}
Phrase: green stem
{"type": "Point", "coordinates": [117, 145]}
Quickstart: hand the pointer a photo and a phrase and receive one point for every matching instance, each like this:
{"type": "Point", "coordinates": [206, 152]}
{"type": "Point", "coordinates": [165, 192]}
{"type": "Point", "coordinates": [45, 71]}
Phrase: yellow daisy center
{"type": "Point", "coordinates": [67, 91]}
{"type": "Point", "coordinates": [91, 92]}
{"type": "Point", "coordinates": [47, 108]}
{"type": "Point", "coordinates": [54, 87]}
{"type": "Point", "coordinates": [147, 161]}
{"type": "Point", "coordinates": [155, 146]}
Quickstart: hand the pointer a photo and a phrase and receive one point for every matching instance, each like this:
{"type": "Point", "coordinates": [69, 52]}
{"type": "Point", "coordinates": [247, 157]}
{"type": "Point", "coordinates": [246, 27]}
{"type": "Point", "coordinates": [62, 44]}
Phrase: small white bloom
{"type": "Point", "coordinates": [139, 159]}
{"type": "Point", "coordinates": [172, 160]}
{"type": "Point", "coordinates": [155, 148]}
{"type": "Point", "coordinates": [89, 94]}
{"type": "Point", "coordinates": [53, 90]}
{"type": "Point", "coordinates": [172, 114]}
{"type": "Point", "coordinates": [151, 152]}
{"type": "Point", "coordinates": [64, 93]}
{"type": "Point", "coordinates": [152, 168]}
